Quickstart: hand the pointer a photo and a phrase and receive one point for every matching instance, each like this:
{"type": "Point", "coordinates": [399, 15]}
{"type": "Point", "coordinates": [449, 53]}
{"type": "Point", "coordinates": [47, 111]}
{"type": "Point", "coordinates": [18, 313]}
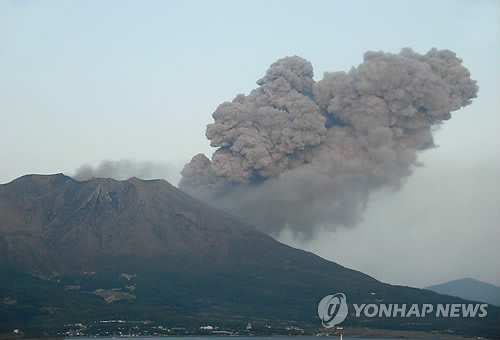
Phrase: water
{"type": "Point", "coordinates": [242, 338]}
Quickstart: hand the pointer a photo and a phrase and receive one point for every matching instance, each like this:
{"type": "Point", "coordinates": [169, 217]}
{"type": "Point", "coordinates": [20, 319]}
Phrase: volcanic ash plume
{"type": "Point", "coordinates": [302, 154]}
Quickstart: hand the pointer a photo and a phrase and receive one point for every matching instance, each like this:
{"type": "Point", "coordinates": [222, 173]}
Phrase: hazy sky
{"type": "Point", "coordinates": [83, 82]}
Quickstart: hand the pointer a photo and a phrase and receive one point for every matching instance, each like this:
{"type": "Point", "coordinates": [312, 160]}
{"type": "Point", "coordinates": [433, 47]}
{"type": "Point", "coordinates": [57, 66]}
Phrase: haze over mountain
{"type": "Point", "coordinates": [144, 250]}
{"type": "Point", "coordinates": [470, 289]}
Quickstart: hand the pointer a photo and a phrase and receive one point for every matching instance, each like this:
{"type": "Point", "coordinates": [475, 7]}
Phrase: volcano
{"type": "Point", "coordinates": [85, 252]}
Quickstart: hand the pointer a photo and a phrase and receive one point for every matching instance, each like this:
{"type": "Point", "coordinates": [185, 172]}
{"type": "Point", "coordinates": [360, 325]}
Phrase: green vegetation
{"type": "Point", "coordinates": [275, 300]}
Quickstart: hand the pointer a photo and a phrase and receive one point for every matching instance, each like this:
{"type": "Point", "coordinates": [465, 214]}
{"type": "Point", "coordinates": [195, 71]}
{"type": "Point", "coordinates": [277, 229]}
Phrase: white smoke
{"type": "Point", "coordinates": [124, 169]}
{"type": "Point", "coordinates": [300, 154]}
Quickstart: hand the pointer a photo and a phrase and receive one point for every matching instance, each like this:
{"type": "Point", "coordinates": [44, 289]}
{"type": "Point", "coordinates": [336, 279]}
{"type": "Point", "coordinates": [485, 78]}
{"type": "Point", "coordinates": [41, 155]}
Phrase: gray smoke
{"type": "Point", "coordinates": [124, 169]}
{"type": "Point", "coordinates": [303, 154]}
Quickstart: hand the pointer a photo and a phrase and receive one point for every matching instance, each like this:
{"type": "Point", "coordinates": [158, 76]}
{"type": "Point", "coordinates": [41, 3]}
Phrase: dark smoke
{"type": "Point", "coordinates": [123, 169]}
{"type": "Point", "coordinates": [303, 154]}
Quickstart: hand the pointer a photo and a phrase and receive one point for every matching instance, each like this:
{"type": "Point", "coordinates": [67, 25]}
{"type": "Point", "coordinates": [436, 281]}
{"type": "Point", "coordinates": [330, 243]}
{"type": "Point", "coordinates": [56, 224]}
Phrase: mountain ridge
{"type": "Point", "coordinates": [470, 289]}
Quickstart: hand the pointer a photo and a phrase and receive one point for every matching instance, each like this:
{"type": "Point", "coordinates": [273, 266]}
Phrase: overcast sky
{"type": "Point", "coordinates": [83, 82]}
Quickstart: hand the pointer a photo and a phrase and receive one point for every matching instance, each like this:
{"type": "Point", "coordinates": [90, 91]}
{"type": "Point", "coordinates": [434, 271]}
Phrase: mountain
{"type": "Point", "coordinates": [103, 255]}
{"type": "Point", "coordinates": [470, 289]}
{"type": "Point", "coordinates": [94, 220]}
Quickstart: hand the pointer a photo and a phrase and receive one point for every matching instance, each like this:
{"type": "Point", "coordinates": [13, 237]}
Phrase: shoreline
{"type": "Point", "coordinates": [396, 335]}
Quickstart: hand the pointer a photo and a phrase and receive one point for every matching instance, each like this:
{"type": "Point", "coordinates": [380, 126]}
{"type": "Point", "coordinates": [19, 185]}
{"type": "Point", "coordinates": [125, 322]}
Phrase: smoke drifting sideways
{"type": "Point", "coordinates": [123, 169]}
{"type": "Point", "coordinates": [305, 155]}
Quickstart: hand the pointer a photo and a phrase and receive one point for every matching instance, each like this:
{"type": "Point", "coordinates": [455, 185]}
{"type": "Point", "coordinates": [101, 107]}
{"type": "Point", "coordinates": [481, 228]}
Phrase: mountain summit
{"type": "Point", "coordinates": [82, 252]}
{"type": "Point", "coordinates": [102, 217]}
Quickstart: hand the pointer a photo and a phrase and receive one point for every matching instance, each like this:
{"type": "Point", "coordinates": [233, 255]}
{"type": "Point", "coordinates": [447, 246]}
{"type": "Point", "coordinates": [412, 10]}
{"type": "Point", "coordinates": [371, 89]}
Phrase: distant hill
{"type": "Point", "coordinates": [144, 252]}
{"type": "Point", "coordinates": [470, 289]}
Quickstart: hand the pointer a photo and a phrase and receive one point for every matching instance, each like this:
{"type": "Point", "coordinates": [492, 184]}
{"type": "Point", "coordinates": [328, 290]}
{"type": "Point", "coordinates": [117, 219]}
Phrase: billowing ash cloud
{"type": "Point", "coordinates": [123, 169]}
{"type": "Point", "coordinates": [301, 154]}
